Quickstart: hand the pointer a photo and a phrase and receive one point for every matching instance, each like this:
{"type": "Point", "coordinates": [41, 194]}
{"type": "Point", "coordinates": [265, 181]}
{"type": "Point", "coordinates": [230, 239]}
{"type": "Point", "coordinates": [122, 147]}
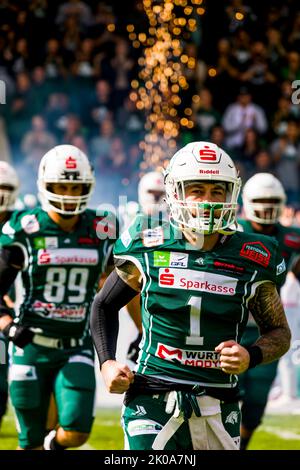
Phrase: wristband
{"type": "Point", "coordinates": [256, 356]}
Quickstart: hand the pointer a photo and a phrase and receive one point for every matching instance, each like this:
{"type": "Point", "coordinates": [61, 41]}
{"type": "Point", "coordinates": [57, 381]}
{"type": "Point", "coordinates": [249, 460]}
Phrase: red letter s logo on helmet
{"type": "Point", "coordinates": [207, 154]}
{"type": "Point", "coordinates": [71, 163]}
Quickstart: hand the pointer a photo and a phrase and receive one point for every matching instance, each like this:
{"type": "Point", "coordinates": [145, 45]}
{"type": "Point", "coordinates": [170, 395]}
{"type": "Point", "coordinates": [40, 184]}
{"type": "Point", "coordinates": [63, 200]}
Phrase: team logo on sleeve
{"type": "Point", "coordinates": [30, 224]}
{"type": "Point", "coordinates": [280, 268]}
{"type": "Point", "coordinates": [153, 237]}
{"type": "Point", "coordinates": [256, 252]}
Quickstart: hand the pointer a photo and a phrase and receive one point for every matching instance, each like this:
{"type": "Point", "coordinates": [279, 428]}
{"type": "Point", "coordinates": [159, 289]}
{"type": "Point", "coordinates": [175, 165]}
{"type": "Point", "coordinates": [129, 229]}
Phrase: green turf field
{"type": "Point", "coordinates": [278, 432]}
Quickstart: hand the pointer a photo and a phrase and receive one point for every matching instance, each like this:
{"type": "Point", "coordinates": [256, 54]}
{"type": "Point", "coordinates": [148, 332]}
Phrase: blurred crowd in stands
{"type": "Point", "coordinates": [68, 76]}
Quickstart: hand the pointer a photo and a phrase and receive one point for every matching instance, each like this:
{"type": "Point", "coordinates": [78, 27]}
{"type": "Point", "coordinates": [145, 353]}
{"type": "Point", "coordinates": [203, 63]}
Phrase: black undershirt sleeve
{"type": "Point", "coordinates": [11, 261]}
{"type": "Point", "coordinates": [104, 321]}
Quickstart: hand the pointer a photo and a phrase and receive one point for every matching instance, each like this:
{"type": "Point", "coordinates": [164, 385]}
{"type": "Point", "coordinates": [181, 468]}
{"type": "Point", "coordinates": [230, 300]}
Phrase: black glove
{"type": "Point", "coordinates": [18, 334]}
{"type": "Point", "coordinates": [133, 350]}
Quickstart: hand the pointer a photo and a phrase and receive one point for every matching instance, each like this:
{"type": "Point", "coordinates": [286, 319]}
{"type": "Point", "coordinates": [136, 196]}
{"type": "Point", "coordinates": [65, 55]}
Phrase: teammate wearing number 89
{"type": "Point", "coordinates": [198, 278]}
{"type": "Point", "coordinates": [61, 258]}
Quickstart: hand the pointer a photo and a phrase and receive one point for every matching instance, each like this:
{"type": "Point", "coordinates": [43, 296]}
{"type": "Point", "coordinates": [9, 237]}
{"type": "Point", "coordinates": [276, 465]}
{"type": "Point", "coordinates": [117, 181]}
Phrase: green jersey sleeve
{"type": "Point", "coordinates": [144, 234]}
{"type": "Point", "coordinates": [15, 230]}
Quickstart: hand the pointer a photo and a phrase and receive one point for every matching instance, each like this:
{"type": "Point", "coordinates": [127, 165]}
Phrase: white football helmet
{"type": "Point", "coordinates": [9, 186]}
{"type": "Point", "coordinates": [263, 198]}
{"type": "Point", "coordinates": [65, 164]}
{"type": "Point", "coordinates": [151, 193]}
{"type": "Point", "coordinates": [202, 162]}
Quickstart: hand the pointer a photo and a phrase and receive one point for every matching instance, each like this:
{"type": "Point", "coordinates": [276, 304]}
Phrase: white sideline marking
{"type": "Point", "coordinates": [86, 446]}
{"type": "Point", "coordinates": [283, 434]}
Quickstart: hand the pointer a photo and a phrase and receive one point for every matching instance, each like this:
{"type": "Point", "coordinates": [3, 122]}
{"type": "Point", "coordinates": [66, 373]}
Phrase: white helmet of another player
{"type": "Point", "coordinates": [65, 164]}
{"type": "Point", "coordinates": [151, 193]}
{"type": "Point", "coordinates": [9, 186]}
{"type": "Point", "coordinates": [263, 198]}
{"type": "Point", "coordinates": [202, 162]}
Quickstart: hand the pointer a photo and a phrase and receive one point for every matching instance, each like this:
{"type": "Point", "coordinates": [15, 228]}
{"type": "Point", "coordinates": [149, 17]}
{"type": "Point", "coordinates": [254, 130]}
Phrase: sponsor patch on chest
{"type": "Point", "coordinates": [206, 359]}
{"type": "Point", "coordinates": [201, 281]}
{"type": "Point", "coordinates": [170, 259]}
{"type": "Point", "coordinates": [77, 256]}
{"type": "Point", "coordinates": [256, 252]}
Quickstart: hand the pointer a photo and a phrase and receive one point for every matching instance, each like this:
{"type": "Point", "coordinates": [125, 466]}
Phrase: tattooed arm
{"type": "Point", "coordinates": [268, 312]}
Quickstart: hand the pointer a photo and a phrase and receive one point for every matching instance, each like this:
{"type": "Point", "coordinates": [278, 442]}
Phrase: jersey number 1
{"type": "Point", "coordinates": [195, 311]}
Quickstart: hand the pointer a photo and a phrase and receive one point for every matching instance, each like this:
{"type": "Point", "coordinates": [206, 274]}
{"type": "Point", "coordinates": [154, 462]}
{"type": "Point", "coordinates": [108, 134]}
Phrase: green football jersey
{"type": "Point", "coordinates": [288, 238]}
{"type": "Point", "coordinates": [193, 300]}
{"type": "Point", "coordinates": [61, 270]}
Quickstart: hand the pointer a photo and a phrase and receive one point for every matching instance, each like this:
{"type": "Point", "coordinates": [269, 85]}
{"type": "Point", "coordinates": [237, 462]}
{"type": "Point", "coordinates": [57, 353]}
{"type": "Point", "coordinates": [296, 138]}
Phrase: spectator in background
{"type": "Point", "coordinates": [205, 115]}
{"type": "Point", "coordinates": [36, 142]}
{"type": "Point", "coordinates": [101, 145]}
{"type": "Point", "coordinates": [73, 128]}
{"type": "Point", "coordinates": [56, 113]}
{"type": "Point", "coordinates": [218, 136]}
{"type": "Point", "coordinates": [22, 61]}
{"type": "Point", "coordinates": [41, 88]}
{"type": "Point", "coordinates": [285, 151]}
{"type": "Point", "coordinates": [226, 75]}
{"type": "Point", "coordinates": [54, 62]}
{"type": "Point", "coordinates": [294, 36]}
{"type": "Point", "coordinates": [240, 116]}
{"type": "Point", "coordinates": [85, 58]}
{"type": "Point", "coordinates": [274, 48]}
{"type": "Point", "coordinates": [282, 115]}
{"type": "Point", "coordinates": [19, 111]}
{"type": "Point", "coordinates": [80, 142]}
{"type": "Point", "coordinates": [263, 163]}
{"type": "Point", "coordinates": [194, 70]}
{"type": "Point", "coordinates": [130, 121]}
{"type": "Point", "coordinates": [77, 9]}
{"type": "Point", "coordinates": [121, 69]}
{"type": "Point", "coordinates": [101, 105]}
{"type": "Point", "coordinates": [241, 49]}
{"type": "Point", "coordinates": [259, 76]}
{"type": "Point", "coordinates": [249, 149]}
{"type": "Point", "coordinates": [291, 71]}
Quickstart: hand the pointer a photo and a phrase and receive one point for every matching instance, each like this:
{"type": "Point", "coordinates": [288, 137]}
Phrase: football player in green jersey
{"type": "Point", "coordinates": [9, 186]}
{"type": "Point", "coordinates": [61, 258]}
{"type": "Point", "coordinates": [198, 280]}
{"type": "Point", "coordinates": [263, 202]}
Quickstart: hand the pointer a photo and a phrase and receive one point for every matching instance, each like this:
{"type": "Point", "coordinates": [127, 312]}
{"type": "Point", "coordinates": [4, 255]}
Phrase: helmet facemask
{"type": "Point", "coordinates": [8, 196]}
{"type": "Point", "coordinates": [59, 203]}
{"type": "Point", "coordinates": [9, 186]}
{"type": "Point", "coordinates": [203, 217]}
{"type": "Point", "coordinates": [265, 212]}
